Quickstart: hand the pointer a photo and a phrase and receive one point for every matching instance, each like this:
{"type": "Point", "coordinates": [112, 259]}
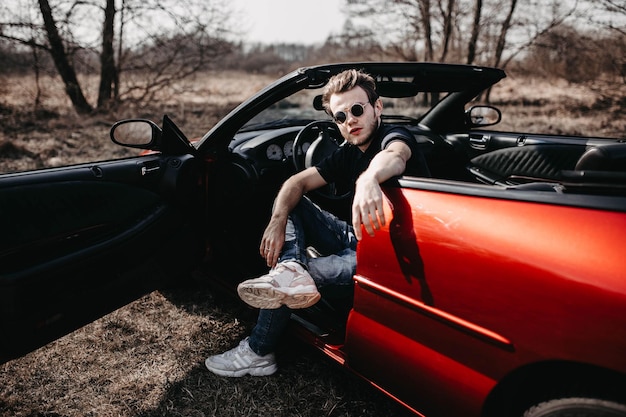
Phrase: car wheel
{"type": "Point", "coordinates": [577, 407]}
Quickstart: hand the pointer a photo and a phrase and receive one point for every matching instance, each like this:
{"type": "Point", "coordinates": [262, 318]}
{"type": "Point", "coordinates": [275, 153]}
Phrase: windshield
{"type": "Point", "coordinates": [296, 107]}
{"type": "Point", "coordinates": [299, 109]}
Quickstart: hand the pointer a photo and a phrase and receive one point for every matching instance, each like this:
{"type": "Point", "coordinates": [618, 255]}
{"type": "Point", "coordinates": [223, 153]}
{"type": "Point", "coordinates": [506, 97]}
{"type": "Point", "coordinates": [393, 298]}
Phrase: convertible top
{"type": "Point", "coordinates": [420, 76]}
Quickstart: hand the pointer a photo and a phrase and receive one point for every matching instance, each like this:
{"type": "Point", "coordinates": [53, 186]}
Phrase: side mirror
{"type": "Point", "coordinates": [135, 133]}
{"type": "Point", "coordinates": [481, 115]}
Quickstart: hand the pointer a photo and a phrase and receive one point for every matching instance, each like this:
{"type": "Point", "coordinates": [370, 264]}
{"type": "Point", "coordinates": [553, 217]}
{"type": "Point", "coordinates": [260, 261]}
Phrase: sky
{"type": "Point", "coordinates": [289, 21]}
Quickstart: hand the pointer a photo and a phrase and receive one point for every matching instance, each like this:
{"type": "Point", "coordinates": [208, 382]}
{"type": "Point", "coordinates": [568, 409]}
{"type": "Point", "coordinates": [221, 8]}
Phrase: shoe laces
{"type": "Point", "coordinates": [242, 348]}
{"type": "Point", "coordinates": [284, 280]}
{"type": "Point", "coordinates": [280, 268]}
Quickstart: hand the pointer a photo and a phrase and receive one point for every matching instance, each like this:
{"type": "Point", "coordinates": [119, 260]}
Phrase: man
{"type": "Point", "coordinates": [374, 153]}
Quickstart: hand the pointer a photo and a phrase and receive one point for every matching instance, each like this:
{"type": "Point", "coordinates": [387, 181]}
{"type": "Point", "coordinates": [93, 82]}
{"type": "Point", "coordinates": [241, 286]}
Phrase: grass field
{"type": "Point", "coordinates": [146, 359]}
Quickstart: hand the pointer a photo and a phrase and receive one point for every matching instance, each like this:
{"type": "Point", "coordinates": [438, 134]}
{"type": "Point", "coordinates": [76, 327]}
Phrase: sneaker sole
{"type": "Point", "coordinates": [266, 296]}
{"type": "Point", "coordinates": [259, 371]}
{"type": "Point", "coordinates": [298, 301]}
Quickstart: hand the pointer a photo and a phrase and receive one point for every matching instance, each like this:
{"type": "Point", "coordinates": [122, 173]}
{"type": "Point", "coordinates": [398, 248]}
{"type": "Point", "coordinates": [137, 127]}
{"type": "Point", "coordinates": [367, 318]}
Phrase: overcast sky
{"type": "Point", "coordinates": [289, 21]}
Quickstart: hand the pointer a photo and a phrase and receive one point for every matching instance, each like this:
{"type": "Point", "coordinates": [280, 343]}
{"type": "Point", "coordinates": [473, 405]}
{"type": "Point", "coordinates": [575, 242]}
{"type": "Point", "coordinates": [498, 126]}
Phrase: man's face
{"type": "Point", "coordinates": [357, 130]}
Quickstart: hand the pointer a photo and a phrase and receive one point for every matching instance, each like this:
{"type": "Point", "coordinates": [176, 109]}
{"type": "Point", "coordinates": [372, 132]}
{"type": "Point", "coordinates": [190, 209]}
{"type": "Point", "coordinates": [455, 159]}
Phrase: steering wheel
{"type": "Point", "coordinates": [324, 138]}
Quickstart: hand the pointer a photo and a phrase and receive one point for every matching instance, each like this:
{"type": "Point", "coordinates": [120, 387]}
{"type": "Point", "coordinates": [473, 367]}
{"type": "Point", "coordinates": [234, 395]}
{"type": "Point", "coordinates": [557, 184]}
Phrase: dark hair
{"type": "Point", "coordinates": [346, 81]}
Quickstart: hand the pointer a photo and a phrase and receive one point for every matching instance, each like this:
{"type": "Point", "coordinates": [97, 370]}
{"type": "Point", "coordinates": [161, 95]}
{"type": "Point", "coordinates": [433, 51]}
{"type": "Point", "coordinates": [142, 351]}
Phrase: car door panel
{"type": "Point", "coordinates": [441, 282]}
{"type": "Point", "coordinates": [415, 373]}
{"type": "Point", "coordinates": [80, 241]}
{"type": "Point", "coordinates": [479, 142]}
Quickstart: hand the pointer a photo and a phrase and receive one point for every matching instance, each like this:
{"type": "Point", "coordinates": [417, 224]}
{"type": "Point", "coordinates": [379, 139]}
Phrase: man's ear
{"type": "Point", "coordinates": [378, 107]}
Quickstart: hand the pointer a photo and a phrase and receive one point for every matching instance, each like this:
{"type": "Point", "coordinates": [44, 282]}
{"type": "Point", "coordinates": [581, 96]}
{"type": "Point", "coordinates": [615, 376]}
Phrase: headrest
{"type": "Point", "coordinates": [603, 158]}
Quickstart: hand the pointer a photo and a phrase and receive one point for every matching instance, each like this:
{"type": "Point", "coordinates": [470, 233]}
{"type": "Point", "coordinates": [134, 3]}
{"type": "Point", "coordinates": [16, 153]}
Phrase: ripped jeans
{"type": "Point", "coordinates": [309, 225]}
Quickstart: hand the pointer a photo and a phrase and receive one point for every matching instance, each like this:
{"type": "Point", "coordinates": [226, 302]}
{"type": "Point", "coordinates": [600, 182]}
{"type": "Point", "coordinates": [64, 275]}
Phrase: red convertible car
{"type": "Point", "coordinates": [498, 288]}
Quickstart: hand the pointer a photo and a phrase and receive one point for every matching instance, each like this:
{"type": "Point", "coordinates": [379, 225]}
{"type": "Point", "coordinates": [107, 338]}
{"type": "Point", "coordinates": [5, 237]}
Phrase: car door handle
{"type": "Point", "coordinates": [149, 167]}
{"type": "Point", "coordinates": [479, 141]}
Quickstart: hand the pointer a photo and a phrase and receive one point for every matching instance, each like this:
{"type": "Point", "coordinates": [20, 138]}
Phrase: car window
{"type": "Point", "coordinates": [300, 106]}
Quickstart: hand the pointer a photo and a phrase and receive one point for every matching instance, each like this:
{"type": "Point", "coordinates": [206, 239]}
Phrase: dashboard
{"type": "Point", "coordinates": [269, 148]}
{"type": "Point", "coordinates": [270, 152]}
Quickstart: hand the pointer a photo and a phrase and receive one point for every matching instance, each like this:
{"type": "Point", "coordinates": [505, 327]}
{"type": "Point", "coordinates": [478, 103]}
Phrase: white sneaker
{"type": "Point", "coordinates": [288, 283]}
{"type": "Point", "coordinates": [240, 361]}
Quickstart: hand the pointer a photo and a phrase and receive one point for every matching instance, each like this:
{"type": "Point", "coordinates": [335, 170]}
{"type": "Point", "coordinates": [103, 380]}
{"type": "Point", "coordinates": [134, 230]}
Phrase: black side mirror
{"type": "Point", "coordinates": [482, 115]}
{"type": "Point", "coordinates": [136, 133]}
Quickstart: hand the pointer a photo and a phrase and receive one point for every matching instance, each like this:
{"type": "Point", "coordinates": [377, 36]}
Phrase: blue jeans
{"type": "Point", "coordinates": [309, 225]}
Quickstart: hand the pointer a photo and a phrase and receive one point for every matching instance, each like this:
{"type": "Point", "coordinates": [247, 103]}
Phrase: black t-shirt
{"type": "Point", "coordinates": [344, 166]}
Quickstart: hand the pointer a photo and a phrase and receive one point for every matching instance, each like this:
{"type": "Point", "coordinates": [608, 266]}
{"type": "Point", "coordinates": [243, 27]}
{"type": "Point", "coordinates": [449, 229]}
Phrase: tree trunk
{"type": "Point", "coordinates": [63, 65]}
{"type": "Point", "coordinates": [471, 47]}
{"type": "Point", "coordinates": [506, 25]}
{"type": "Point", "coordinates": [447, 29]}
{"type": "Point", "coordinates": [502, 41]}
{"type": "Point", "coordinates": [37, 67]}
{"type": "Point", "coordinates": [424, 6]}
{"type": "Point", "coordinates": [120, 53]}
{"type": "Point", "coordinates": [107, 58]}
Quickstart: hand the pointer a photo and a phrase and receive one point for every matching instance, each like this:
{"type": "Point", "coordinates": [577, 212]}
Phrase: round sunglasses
{"type": "Point", "coordinates": [357, 109]}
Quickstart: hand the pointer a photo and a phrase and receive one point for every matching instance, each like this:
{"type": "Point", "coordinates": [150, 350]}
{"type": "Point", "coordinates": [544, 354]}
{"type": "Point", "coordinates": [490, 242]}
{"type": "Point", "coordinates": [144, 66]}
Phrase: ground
{"type": "Point", "coordinates": [146, 359]}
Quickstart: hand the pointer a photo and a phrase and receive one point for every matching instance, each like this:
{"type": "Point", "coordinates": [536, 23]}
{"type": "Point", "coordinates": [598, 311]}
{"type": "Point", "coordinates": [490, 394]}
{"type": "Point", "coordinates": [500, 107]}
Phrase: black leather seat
{"type": "Point", "coordinates": [603, 158]}
{"type": "Point", "coordinates": [529, 163]}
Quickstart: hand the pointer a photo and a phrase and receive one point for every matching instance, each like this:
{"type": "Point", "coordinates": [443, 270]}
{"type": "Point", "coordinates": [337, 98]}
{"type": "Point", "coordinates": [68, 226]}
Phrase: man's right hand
{"type": "Point", "coordinates": [273, 241]}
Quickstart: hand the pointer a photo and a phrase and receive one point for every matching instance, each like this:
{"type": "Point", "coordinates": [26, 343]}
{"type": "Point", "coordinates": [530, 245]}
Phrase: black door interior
{"type": "Point", "coordinates": [78, 242]}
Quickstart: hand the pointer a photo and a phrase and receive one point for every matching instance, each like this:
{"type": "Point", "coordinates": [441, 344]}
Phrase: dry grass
{"type": "Point", "coordinates": [146, 359]}
{"type": "Point", "coordinates": [557, 107]}
{"type": "Point", "coordinates": [53, 135]}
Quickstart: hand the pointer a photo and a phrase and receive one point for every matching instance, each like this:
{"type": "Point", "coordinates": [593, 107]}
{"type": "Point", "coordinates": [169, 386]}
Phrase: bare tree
{"type": "Point", "coordinates": [448, 23]}
{"type": "Point", "coordinates": [424, 7]}
{"type": "Point", "coordinates": [504, 30]}
{"type": "Point", "coordinates": [184, 44]}
{"type": "Point", "coordinates": [420, 29]}
{"type": "Point", "coordinates": [532, 24]}
{"type": "Point", "coordinates": [108, 69]}
{"type": "Point", "coordinates": [61, 61]}
{"type": "Point", "coordinates": [400, 27]}
{"type": "Point", "coordinates": [164, 40]}
{"type": "Point", "coordinates": [609, 14]}
{"type": "Point", "coordinates": [471, 46]}
{"type": "Point", "coordinates": [491, 32]}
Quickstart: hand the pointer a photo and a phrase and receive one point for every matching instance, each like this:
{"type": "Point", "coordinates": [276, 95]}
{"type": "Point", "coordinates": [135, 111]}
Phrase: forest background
{"type": "Point", "coordinates": [70, 68]}
{"type": "Point", "coordinates": [73, 67]}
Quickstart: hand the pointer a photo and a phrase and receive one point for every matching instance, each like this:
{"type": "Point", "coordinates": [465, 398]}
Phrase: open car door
{"type": "Point", "coordinates": [78, 242]}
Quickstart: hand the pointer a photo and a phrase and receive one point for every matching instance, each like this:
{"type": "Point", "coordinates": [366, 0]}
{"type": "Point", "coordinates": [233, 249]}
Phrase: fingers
{"type": "Point", "coordinates": [380, 211]}
{"type": "Point", "coordinates": [371, 216]}
{"type": "Point", "coordinates": [268, 253]}
{"type": "Point", "coordinates": [356, 225]}
{"type": "Point", "coordinates": [271, 259]}
{"type": "Point", "coordinates": [270, 250]}
{"type": "Point", "coordinates": [367, 207]}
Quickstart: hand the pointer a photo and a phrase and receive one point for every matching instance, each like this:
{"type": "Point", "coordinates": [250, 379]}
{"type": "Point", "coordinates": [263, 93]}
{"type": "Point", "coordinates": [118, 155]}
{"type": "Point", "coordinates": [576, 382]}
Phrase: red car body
{"type": "Point", "coordinates": [472, 301]}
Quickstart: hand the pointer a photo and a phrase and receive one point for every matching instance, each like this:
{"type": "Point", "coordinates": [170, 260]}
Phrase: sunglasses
{"type": "Point", "coordinates": [356, 110]}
